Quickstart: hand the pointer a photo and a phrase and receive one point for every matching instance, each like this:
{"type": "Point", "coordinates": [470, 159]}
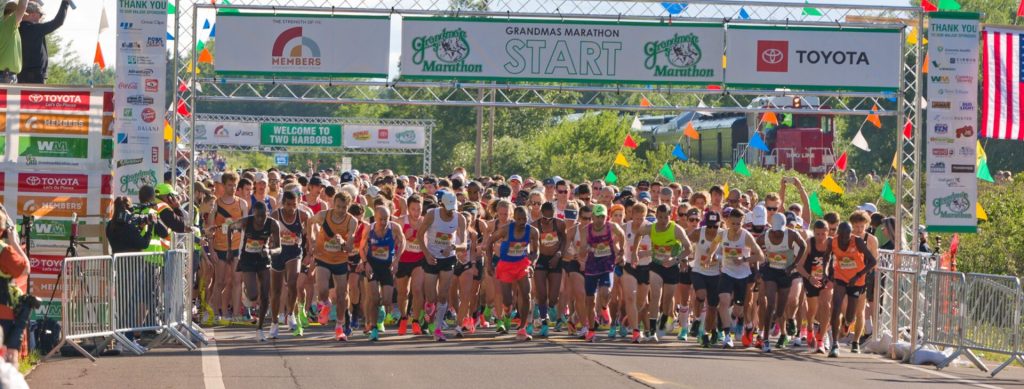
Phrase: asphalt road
{"type": "Point", "coordinates": [236, 360]}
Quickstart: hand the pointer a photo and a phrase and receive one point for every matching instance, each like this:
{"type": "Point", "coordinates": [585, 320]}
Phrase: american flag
{"type": "Point", "coordinates": [1003, 80]}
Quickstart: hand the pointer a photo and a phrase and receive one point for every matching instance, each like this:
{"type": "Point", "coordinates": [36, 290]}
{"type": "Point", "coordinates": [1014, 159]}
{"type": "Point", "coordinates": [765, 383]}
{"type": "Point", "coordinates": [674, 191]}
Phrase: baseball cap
{"type": "Point", "coordinates": [504, 191]}
{"type": "Point", "coordinates": [261, 177]}
{"type": "Point", "coordinates": [778, 222]}
{"type": "Point", "coordinates": [346, 177]}
{"type": "Point", "coordinates": [448, 201]}
{"type": "Point", "coordinates": [549, 182]}
{"type": "Point", "coordinates": [599, 210]}
{"type": "Point", "coordinates": [316, 181]}
{"type": "Point", "coordinates": [790, 218]}
{"type": "Point", "coordinates": [868, 207]}
{"type": "Point", "coordinates": [373, 191]}
{"type": "Point", "coordinates": [516, 177]}
{"type": "Point", "coordinates": [759, 216]}
{"type": "Point", "coordinates": [666, 191]}
{"type": "Point", "coordinates": [200, 188]}
{"type": "Point", "coordinates": [165, 190]}
{"type": "Point", "coordinates": [712, 218]}
{"type": "Point", "coordinates": [644, 196]}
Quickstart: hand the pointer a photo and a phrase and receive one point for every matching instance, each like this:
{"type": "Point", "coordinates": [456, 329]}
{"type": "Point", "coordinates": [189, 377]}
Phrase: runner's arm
{"type": "Point", "coordinates": [684, 243]}
{"type": "Point", "coordinates": [274, 245]}
{"type": "Point", "coordinates": [463, 235]}
{"type": "Point", "coordinates": [869, 261]}
{"type": "Point", "coordinates": [563, 239]}
{"type": "Point", "coordinates": [421, 231]}
{"type": "Point", "coordinates": [534, 243]}
{"type": "Point", "coordinates": [399, 239]}
{"type": "Point", "coordinates": [619, 238]}
{"type": "Point", "coordinates": [756, 254]}
{"type": "Point", "coordinates": [804, 201]}
{"type": "Point", "coordinates": [801, 253]}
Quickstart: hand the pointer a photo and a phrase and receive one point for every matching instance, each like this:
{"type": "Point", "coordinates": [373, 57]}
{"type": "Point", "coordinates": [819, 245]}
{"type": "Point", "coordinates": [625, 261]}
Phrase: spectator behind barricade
{"type": "Point", "coordinates": [10, 41]}
{"type": "Point", "coordinates": [14, 270]}
{"type": "Point", "coordinates": [169, 209]}
{"type": "Point", "coordinates": [35, 57]}
{"type": "Point", "coordinates": [126, 232]}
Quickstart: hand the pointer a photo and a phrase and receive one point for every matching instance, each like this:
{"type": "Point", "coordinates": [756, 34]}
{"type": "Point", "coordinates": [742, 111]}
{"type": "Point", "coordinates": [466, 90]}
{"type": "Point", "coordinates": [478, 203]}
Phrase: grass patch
{"type": "Point", "coordinates": [26, 364]}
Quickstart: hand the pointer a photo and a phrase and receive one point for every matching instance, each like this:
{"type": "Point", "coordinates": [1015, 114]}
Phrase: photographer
{"type": "Point", "coordinates": [126, 232]}
{"type": "Point", "coordinates": [14, 269]}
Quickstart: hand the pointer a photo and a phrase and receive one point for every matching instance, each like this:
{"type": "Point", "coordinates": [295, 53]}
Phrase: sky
{"type": "Point", "coordinates": [81, 28]}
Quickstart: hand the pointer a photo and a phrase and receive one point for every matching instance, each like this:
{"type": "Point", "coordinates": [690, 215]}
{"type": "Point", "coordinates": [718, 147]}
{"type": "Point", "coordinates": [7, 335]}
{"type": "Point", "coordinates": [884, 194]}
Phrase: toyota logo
{"type": "Point", "coordinates": [33, 180]}
{"type": "Point", "coordinates": [772, 56]}
{"type": "Point", "coordinates": [35, 98]}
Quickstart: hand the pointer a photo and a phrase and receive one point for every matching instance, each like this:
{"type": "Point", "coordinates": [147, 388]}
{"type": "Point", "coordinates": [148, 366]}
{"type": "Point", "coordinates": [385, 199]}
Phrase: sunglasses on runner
{"type": "Point", "coordinates": [563, 192]}
{"type": "Point", "coordinates": [693, 220]}
{"type": "Point", "coordinates": [772, 209]}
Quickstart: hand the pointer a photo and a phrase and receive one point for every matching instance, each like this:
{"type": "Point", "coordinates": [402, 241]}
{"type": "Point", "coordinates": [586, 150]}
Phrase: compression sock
{"type": "Point", "coordinates": [662, 321]}
{"type": "Point", "coordinates": [439, 319]}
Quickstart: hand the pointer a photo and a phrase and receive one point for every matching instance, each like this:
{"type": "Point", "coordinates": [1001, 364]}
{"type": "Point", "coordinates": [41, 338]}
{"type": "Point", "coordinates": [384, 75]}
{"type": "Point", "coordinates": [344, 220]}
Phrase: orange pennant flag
{"type": "Point", "coordinates": [873, 117]}
{"type": "Point", "coordinates": [205, 56]}
{"type": "Point", "coordinates": [98, 58]}
{"type": "Point", "coordinates": [769, 117]}
{"type": "Point", "coordinates": [644, 102]}
{"type": "Point", "coordinates": [691, 132]}
{"type": "Point", "coordinates": [924, 69]}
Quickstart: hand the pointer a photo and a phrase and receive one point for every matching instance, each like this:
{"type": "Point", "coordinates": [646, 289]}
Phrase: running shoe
{"type": "Point", "coordinates": [654, 337]}
{"type": "Point", "coordinates": [727, 341]}
{"type": "Point", "coordinates": [783, 341]}
{"type": "Point", "coordinates": [821, 347]}
{"type": "Point", "coordinates": [260, 336]}
{"type": "Point", "coordinates": [695, 327]}
{"type": "Point", "coordinates": [767, 346]}
{"type": "Point", "coordinates": [791, 327]}
{"type": "Point", "coordinates": [683, 332]}
{"type": "Point", "coordinates": [559, 323]}
{"type": "Point", "coordinates": [812, 342]}
{"type": "Point", "coordinates": [403, 326]}
{"type": "Point", "coordinates": [273, 331]}
{"type": "Point", "coordinates": [302, 318]}
{"type": "Point", "coordinates": [622, 331]}
{"type": "Point", "coordinates": [458, 332]}
{"type": "Point", "coordinates": [472, 325]}
{"type": "Point", "coordinates": [348, 330]}
{"type": "Point", "coordinates": [637, 336]}
{"type": "Point", "coordinates": [374, 335]}
{"type": "Point", "coordinates": [591, 336]}
{"type": "Point", "coordinates": [716, 336]}
{"type": "Point", "coordinates": [324, 315]}
{"type": "Point", "coordinates": [298, 331]}
{"type": "Point", "coordinates": [416, 328]}
{"type": "Point", "coordinates": [705, 341]}
{"type": "Point", "coordinates": [748, 337]}
{"type": "Point", "coordinates": [439, 336]}
{"type": "Point", "coordinates": [855, 347]}
{"type": "Point", "coordinates": [523, 336]}
{"type": "Point", "coordinates": [291, 322]}
{"type": "Point", "coordinates": [776, 331]}
{"type": "Point", "coordinates": [834, 353]}
{"type": "Point", "coordinates": [659, 335]}
{"type": "Point", "coordinates": [582, 333]}
{"type": "Point", "coordinates": [612, 331]}
{"type": "Point", "coordinates": [501, 328]}
{"type": "Point", "coordinates": [606, 316]}
{"type": "Point", "coordinates": [529, 329]}
{"type": "Point", "coordinates": [544, 329]}
{"type": "Point", "coordinates": [339, 334]}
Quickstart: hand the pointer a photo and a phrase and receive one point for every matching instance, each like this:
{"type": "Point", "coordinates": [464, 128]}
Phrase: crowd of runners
{"type": "Point", "coordinates": [385, 254]}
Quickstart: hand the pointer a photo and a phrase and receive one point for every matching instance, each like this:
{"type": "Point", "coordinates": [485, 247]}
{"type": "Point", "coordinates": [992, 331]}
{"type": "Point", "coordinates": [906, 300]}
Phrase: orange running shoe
{"type": "Point", "coordinates": [339, 334]}
{"type": "Point", "coordinates": [416, 330]}
{"type": "Point", "coordinates": [403, 325]}
{"type": "Point", "coordinates": [748, 337]}
{"type": "Point", "coordinates": [325, 314]}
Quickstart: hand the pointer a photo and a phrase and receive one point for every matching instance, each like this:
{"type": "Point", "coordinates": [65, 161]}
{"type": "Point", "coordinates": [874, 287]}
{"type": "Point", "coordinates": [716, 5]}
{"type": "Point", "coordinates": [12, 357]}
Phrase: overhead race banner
{"type": "Point", "coordinates": [224, 133]}
{"type": "Point", "coordinates": [813, 58]}
{"type": "Point", "coordinates": [139, 95]}
{"type": "Point", "coordinates": [362, 136]}
{"type": "Point", "coordinates": [303, 45]}
{"type": "Point", "coordinates": [952, 122]}
{"type": "Point", "coordinates": [297, 134]}
{"type": "Point", "coordinates": [55, 150]}
{"type": "Point", "coordinates": [567, 51]}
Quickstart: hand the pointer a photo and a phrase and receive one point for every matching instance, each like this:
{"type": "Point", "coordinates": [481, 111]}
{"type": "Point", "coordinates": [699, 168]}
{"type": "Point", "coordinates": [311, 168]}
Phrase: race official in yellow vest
{"type": "Point", "coordinates": [150, 208]}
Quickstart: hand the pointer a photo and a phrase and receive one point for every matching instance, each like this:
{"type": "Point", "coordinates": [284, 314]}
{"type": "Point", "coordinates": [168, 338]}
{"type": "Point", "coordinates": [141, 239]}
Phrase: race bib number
{"type": "Point", "coordinates": [380, 252]}
{"type": "Point", "coordinates": [602, 249]}
{"type": "Point", "coordinates": [253, 246]}
{"type": "Point", "coordinates": [817, 272]}
{"type": "Point", "coordinates": [708, 262]}
{"type": "Point", "coordinates": [412, 247]}
{"type": "Point", "coordinates": [549, 239]}
{"type": "Point", "coordinates": [443, 239]}
{"type": "Point", "coordinates": [847, 263]}
{"type": "Point", "coordinates": [289, 239]}
{"type": "Point", "coordinates": [517, 249]}
{"type": "Point", "coordinates": [732, 253]}
{"type": "Point", "coordinates": [777, 261]}
{"type": "Point", "coordinates": [662, 253]}
{"type": "Point", "coordinates": [332, 246]}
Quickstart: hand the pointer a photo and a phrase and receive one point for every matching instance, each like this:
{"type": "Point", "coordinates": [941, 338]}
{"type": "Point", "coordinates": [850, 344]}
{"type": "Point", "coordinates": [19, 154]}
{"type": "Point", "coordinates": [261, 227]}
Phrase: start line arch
{"type": "Point", "coordinates": [302, 134]}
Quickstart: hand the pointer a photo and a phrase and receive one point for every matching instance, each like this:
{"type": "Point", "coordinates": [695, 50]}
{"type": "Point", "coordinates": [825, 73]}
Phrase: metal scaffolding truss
{"type": "Point", "coordinates": [425, 152]}
{"type": "Point", "coordinates": [527, 95]}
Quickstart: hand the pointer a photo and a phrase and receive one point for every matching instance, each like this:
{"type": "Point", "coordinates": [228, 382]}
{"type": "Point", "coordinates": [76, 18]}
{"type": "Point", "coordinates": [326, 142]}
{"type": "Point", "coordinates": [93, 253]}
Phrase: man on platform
{"type": "Point", "coordinates": [35, 57]}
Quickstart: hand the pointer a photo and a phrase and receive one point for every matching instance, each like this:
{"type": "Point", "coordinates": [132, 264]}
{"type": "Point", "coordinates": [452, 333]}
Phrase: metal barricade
{"type": "Point", "coordinates": [943, 324]}
{"type": "Point", "coordinates": [86, 301]}
{"type": "Point", "coordinates": [177, 294]}
{"type": "Point", "coordinates": [992, 316]}
{"type": "Point", "coordinates": [139, 299]}
{"type": "Point", "coordinates": [899, 278]}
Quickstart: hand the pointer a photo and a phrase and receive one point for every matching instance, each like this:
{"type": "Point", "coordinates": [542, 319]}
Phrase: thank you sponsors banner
{"type": "Point", "coordinates": [303, 45]}
{"type": "Point", "coordinates": [569, 51]}
{"type": "Point", "coordinates": [139, 95]}
{"type": "Point", "coordinates": [55, 162]}
{"type": "Point", "coordinates": [813, 58]}
{"type": "Point", "coordinates": [952, 122]}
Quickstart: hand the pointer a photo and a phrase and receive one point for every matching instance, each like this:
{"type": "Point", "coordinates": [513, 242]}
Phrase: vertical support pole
{"type": "Point", "coordinates": [477, 168]}
{"type": "Point", "coordinates": [490, 138]}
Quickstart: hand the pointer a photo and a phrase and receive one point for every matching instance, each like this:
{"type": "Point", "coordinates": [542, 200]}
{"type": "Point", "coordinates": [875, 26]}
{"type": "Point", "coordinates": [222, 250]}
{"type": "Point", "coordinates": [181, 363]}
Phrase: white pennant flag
{"type": "Point", "coordinates": [104, 25]}
{"type": "Point", "coordinates": [924, 103]}
{"type": "Point", "coordinates": [702, 105]}
{"type": "Point", "coordinates": [860, 142]}
{"type": "Point", "coordinates": [637, 126]}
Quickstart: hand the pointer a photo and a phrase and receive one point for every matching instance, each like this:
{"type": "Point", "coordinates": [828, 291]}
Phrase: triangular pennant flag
{"type": "Point", "coordinates": [913, 35]}
{"type": "Point", "coordinates": [758, 143]}
{"type": "Point", "coordinates": [691, 132]}
{"type": "Point", "coordinates": [924, 103]}
{"type": "Point", "coordinates": [981, 151]}
{"type": "Point", "coordinates": [1020, 8]}
{"type": "Point", "coordinates": [982, 215]}
{"type": "Point", "coordinates": [170, 37]}
{"type": "Point", "coordinates": [673, 8]}
{"type": "Point", "coordinates": [895, 163]}
{"type": "Point", "coordinates": [678, 153]}
{"type": "Point", "coordinates": [741, 168]}
{"type": "Point", "coordinates": [873, 117]}
{"type": "Point", "coordinates": [621, 160]}
{"type": "Point", "coordinates": [104, 23]}
{"type": "Point", "coordinates": [949, 5]}
{"type": "Point", "coordinates": [769, 117]}
{"type": "Point", "coordinates": [725, 188]}
{"type": "Point", "coordinates": [213, 31]}
{"type": "Point", "coordinates": [831, 185]}
{"type": "Point", "coordinates": [814, 203]}
{"type": "Point", "coordinates": [206, 24]}
{"type": "Point", "coordinates": [636, 125]}
{"type": "Point", "coordinates": [168, 131]}
{"type": "Point", "coordinates": [205, 56]}
{"type": "Point", "coordinates": [908, 130]}
{"type": "Point", "coordinates": [859, 142]}
{"type": "Point", "coordinates": [183, 109]}
{"type": "Point", "coordinates": [743, 13]}
{"type": "Point", "coordinates": [182, 87]}
{"type": "Point", "coordinates": [644, 102]}
{"type": "Point", "coordinates": [924, 68]}
{"type": "Point", "coordinates": [983, 173]}
{"type": "Point", "coordinates": [841, 162]}
{"type": "Point", "coordinates": [927, 6]}
{"type": "Point", "coordinates": [611, 178]}
{"type": "Point", "coordinates": [787, 119]}
{"type": "Point", "coordinates": [97, 58]}
{"type": "Point", "coordinates": [629, 142]}
{"type": "Point", "coordinates": [810, 11]}
{"type": "Point", "coordinates": [170, 8]}
{"type": "Point", "coordinates": [201, 45]}
{"type": "Point", "coordinates": [666, 171]}
{"type": "Point", "coordinates": [725, 62]}
{"type": "Point", "coordinates": [228, 10]}
{"type": "Point", "coordinates": [887, 194]}
{"type": "Point", "coordinates": [714, 87]}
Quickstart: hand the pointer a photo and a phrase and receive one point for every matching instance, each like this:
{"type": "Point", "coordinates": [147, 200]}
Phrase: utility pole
{"type": "Point", "coordinates": [479, 132]}
{"type": "Point", "coordinates": [490, 143]}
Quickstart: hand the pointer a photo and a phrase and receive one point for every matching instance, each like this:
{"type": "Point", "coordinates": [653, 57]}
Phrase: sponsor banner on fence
{"type": "Point", "coordinates": [52, 206]}
{"type": "Point", "coordinates": [303, 45]}
{"type": "Point", "coordinates": [294, 134]}
{"type": "Point", "coordinates": [139, 98]}
{"type": "Point", "coordinates": [53, 183]}
{"type": "Point", "coordinates": [952, 122]}
{"type": "Point", "coordinates": [569, 51]}
{"type": "Point", "coordinates": [54, 124]}
{"type": "Point", "coordinates": [364, 136]}
{"type": "Point", "coordinates": [813, 58]}
{"type": "Point", "coordinates": [217, 133]}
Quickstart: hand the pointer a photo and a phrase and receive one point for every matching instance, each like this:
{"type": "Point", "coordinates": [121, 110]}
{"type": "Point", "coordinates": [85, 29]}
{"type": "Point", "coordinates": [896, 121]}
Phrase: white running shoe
{"type": "Point", "coordinates": [727, 341]}
{"type": "Point", "coordinates": [767, 347]}
{"type": "Point", "coordinates": [291, 322]}
{"type": "Point", "coordinates": [260, 336]}
{"type": "Point", "coordinates": [273, 331]}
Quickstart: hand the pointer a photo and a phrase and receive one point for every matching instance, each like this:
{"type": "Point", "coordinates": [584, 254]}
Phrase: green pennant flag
{"type": "Point", "coordinates": [611, 178]}
{"type": "Point", "coordinates": [200, 46]}
{"type": "Point", "coordinates": [815, 204]}
{"type": "Point", "coordinates": [949, 5]}
{"type": "Point", "coordinates": [887, 194]}
{"type": "Point", "coordinates": [983, 173]}
{"type": "Point", "coordinates": [170, 8]}
{"type": "Point", "coordinates": [787, 119]}
{"type": "Point", "coordinates": [811, 11]}
{"type": "Point", "coordinates": [666, 171]}
{"type": "Point", "coordinates": [741, 168]}
{"type": "Point", "coordinates": [228, 10]}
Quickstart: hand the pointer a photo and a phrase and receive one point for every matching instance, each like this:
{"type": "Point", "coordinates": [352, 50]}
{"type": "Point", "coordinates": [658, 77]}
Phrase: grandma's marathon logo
{"type": "Point", "coordinates": [406, 137]}
{"type": "Point", "coordinates": [292, 50]}
{"type": "Point", "coordinates": [954, 206]}
{"type": "Point", "coordinates": [450, 48]}
{"type": "Point", "coordinates": [131, 183]}
{"type": "Point", "coordinates": [682, 53]}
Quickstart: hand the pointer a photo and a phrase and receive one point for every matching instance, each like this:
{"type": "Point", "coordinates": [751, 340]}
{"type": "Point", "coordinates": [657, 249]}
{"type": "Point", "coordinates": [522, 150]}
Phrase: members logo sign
{"type": "Point", "coordinates": [292, 50]}
{"type": "Point", "coordinates": [55, 124]}
{"type": "Point", "coordinates": [51, 206]}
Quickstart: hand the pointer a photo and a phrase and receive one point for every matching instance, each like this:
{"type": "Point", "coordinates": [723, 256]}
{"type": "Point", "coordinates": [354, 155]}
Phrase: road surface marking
{"type": "Point", "coordinates": [964, 381]}
{"type": "Point", "coordinates": [213, 378]}
{"type": "Point", "coordinates": [646, 378]}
